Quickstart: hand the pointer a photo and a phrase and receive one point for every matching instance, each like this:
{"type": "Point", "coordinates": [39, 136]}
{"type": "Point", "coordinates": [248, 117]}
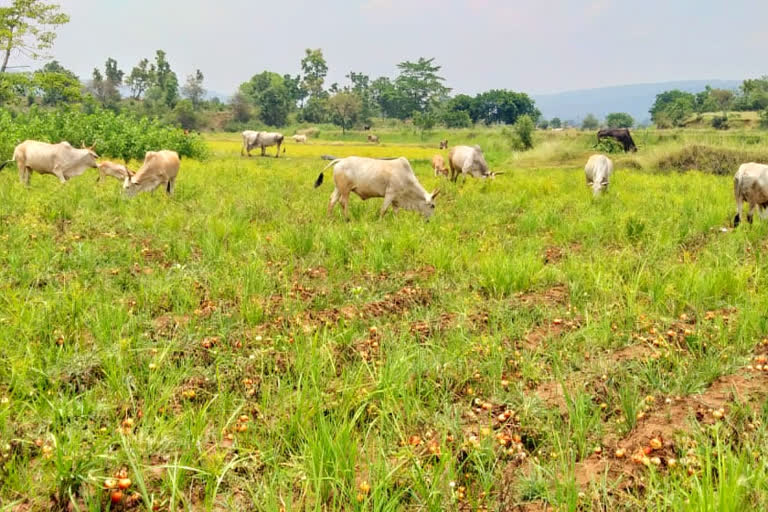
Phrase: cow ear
{"type": "Point", "coordinates": [435, 193]}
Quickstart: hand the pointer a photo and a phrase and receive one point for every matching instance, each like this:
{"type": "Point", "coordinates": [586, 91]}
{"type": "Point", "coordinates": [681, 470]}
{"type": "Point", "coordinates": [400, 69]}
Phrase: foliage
{"type": "Point", "coordinates": [315, 69]}
{"type": "Point", "coordinates": [106, 87]}
{"type": "Point", "coordinates": [524, 128]}
{"type": "Point", "coordinates": [714, 160]}
{"type": "Point", "coordinates": [115, 135]}
{"type": "Point", "coordinates": [764, 119]}
{"type": "Point", "coordinates": [609, 145]}
{"type": "Point", "coordinates": [345, 108]}
{"type": "Point", "coordinates": [141, 78]}
{"type": "Point", "coordinates": [619, 120]}
{"type": "Point", "coordinates": [502, 106]}
{"type": "Point", "coordinates": [193, 90]}
{"type": "Point", "coordinates": [456, 119]}
{"type": "Point", "coordinates": [164, 89]}
{"type": "Point", "coordinates": [590, 122]}
{"type": "Point", "coordinates": [672, 108]}
{"type": "Point", "coordinates": [720, 122]}
{"type": "Point", "coordinates": [556, 123]}
{"type": "Point", "coordinates": [419, 86]}
{"type": "Point", "coordinates": [543, 124]}
{"type": "Point", "coordinates": [27, 27]}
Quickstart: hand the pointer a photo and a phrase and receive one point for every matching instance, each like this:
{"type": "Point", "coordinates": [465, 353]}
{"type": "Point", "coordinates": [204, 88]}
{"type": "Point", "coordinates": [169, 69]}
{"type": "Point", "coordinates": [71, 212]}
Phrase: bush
{"type": "Point", "coordinates": [764, 119]}
{"type": "Point", "coordinates": [115, 135]}
{"type": "Point", "coordinates": [720, 161]}
{"type": "Point", "coordinates": [457, 119]}
{"type": "Point", "coordinates": [609, 145]}
{"type": "Point", "coordinates": [524, 128]}
{"type": "Point", "coordinates": [720, 122]}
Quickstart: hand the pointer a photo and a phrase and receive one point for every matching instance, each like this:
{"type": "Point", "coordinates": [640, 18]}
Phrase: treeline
{"type": "Point", "coordinates": [151, 88]}
{"type": "Point", "coordinates": [675, 108]}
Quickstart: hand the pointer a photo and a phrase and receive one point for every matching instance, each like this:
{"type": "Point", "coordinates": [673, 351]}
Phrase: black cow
{"type": "Point", "coordinates": [621, 135]}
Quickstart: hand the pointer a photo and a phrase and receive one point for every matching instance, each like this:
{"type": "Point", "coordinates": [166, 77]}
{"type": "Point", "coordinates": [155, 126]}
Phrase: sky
{"type": "Point", "coordinates": [535, 46]}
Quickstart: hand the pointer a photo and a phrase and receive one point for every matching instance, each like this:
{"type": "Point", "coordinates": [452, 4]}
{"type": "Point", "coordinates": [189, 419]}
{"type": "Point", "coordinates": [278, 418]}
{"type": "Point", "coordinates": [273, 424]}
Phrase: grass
{"type": "Point", "coordinates": [268, 357]}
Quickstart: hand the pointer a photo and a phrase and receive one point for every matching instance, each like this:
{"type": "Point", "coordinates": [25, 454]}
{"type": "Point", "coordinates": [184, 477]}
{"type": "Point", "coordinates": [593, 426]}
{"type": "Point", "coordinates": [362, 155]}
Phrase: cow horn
{"type": "Point", "coordinates": [435, 193]}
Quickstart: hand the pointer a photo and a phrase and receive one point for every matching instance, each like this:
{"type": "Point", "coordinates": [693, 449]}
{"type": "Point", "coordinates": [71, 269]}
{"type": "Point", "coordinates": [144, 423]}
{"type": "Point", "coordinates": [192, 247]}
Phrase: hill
{"type": "Point", "coordinates": [634, 99]}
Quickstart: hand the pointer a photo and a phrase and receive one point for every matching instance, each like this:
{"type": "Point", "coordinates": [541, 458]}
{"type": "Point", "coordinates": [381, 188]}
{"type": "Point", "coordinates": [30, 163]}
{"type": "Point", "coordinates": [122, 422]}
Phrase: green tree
{"type": "Point", "coordinates": [456, 119]}
{"type": "Point", "coordinates": [28, 27]}
{"type": "Point", "coordinates": [619, 120]}
{"type": "Point", "coordinates": [424, 121]}
{"type": "Point", "coordinates": [106, 86]}
{"type": "Point", "coordinates": [193, 90]}
{"type": "Point", "coordinates": [524, 128]}
{"type": "Point", "coordinates": [345, 108]}
{"type": "Point", "coordinates": [241, 108]}
{"type": "Point", "coordinates": [315, 110]}
{"type": "Point", "coordinates": [165, 83]}
{"type": "Point", "coordinates": [315, 70]}
{"type": "Point", "coordinates": [556, 123]}
{"type": "Point", "coordinates": [502, 106]}
{"type": "Point", "coordinates": [141, 78]}
{"type": "Point", "coordinates": [590, 123]}
{"type": "Point", "coordinates": [15, 87]}
{"type": "Point", "coordinates": [419, 86]}
{"type": "Point", "coordinates": [543, 124]}
{"type": "Point", "coordinates": [296, 91]}
{"type": "Point", "coordinates": [275, 105]}
{"type": "Point", "coordinates": [361, 86]}
{"type": "Point", "coordinates": [723, 98]}
{"type": "Point", "coordinates": [672, 108]}
{"type": "Point", "coordinates": [57, 84]}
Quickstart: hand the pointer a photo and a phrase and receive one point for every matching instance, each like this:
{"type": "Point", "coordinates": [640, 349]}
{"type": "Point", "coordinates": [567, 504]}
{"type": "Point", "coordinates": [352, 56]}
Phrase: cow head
{"type": "Point", "coordinates": [129, 187]}
{"type": "Point", "coordinates": [90, 156]}
{"type": "Point", "coordinates": [427, 208]}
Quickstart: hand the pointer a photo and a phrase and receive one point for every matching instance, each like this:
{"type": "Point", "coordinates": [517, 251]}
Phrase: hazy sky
{"type": "Point", "coordinates": [533, 45]}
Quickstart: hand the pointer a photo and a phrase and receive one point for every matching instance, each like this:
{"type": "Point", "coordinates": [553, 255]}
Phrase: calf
{"type": "Point", "coordinates": [118, 171]}
{"type": "Point", "coordinates": [438, 165]}
{"type": "Point", "coordinates": [373, 138]}
{"type": "Point", "coordinates": [394, 180]}
{"type": "Point", "coordinates": [300, 139]}
{"type": "Point", "coordinates": [444, 144]}
{"type": "Point", "coordinates": [159, 168]}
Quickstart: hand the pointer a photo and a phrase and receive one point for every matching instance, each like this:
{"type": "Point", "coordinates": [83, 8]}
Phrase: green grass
{"type": "Point", "coordinates": [185, 314]}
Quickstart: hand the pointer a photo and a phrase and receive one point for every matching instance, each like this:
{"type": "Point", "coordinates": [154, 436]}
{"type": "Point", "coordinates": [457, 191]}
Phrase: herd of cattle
{"type": "Point", "coordinates": [391, 179]}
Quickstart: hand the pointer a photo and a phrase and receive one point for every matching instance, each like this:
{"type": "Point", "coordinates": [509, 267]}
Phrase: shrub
{"type": "Point", "coordinates": [708, 159]}
{"type": "Point", "coordinates": [720, 122]}
{"type": "Point", "coordinates": [524, 128]}
{"type": "Point", "coordinates": [115, 135]}
{"type": "Point", "coordinates": [764, 119]}
{"type": "Point", "coordinates": [609, 145]}
{"type": "Point", "coordinates": [457, 119]}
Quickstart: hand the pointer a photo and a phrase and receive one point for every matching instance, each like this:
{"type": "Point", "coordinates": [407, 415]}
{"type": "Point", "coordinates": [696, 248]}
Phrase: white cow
{"type": "Point", "coordinates": [300, 139]}
{"type": "Point", "coordinates": [598, 170]}
{"type": "Point", "coordinates": [118, 171]}
{"type": "Point", "coordinates": [252, 139]}
{"type": "Point", "coordinates": [750, 184]}
{"type": "Point", "coordinates": [393, 180]}
{"type": "Point", "coordinates": [159, 168]}
{"type": "Point", "coordinates": [61, 160]}
{"type": "Point", "coordinates": [469, 160]}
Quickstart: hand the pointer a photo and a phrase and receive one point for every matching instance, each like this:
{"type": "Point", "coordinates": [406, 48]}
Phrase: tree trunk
{"type": "Point", "coordinates": [7, 50]}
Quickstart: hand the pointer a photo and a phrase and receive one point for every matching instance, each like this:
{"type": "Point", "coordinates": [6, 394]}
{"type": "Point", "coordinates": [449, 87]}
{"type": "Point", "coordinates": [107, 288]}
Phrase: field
{"type": "Point", "coordinates": [530, 348]}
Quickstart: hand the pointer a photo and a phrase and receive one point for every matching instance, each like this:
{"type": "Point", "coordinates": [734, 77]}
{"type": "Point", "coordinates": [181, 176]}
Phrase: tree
{"type": "Point", "coordinates": [543, 124]}
{"type": "Point", "coordinates": [193, 89]}
{"type": "Point", "coordinates": [457, 119]}
{"type": "Point", "coordinates": [315, 69]}
{"type": "Point", "coordinates": [345, 108]}
{"type": "Point", "coordinates": [502, 106]}
{"type": "Point", "coordinates": [524, 127]}
{"type": "Point", "coordinates": [106, 87]}
{"type": "Point", "coordinates": [424, 121]}
{"type": "Point", "coordinates": [361, 86]}
{"type": "Point", "coordinates": [27, 27]}
{"type": "Point", "coordinates": [590, 123]}
{"type": "Point", "coordinates": [57, 84]}
{"type": "Point", "coordinates": [141, 78]}
{"type": "Point", "coordinates": [671, 108]}
{"type": "Point", "coordinates": [165, 83]}
{"type": "Point", "coordinates": [419, 86]}
{"type": "Point", "coordinates": [275, 105]}
{"type": "Point", "coordinates": [241, 109]}
{"type": "Point", "coordinates": [556, 123]}
{"type": "Point", "coordinates": [619, 120]}
{"type": "Point", "coordinates": [722, 98]}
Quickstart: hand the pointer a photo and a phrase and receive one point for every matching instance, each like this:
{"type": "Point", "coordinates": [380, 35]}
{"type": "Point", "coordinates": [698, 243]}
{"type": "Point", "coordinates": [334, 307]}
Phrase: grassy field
{"type": "Point", "coordinates": [529, 348]}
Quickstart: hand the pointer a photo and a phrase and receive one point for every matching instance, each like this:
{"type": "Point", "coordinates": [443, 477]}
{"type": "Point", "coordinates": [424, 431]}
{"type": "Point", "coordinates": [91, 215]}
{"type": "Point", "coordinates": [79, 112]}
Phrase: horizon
{"type": "Point", "coordinates": [555, 59]}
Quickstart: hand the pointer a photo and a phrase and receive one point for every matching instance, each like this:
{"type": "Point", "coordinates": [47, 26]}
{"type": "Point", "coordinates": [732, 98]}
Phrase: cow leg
{"type": "Point", "coordinates": [263, 151]}
{"type": "Point", "coordinates": [333, 201]}
{"type": "Point", "coordinates": [59, 174]}
{"type": "Point", "coordinates": [750, 213]}
{"type": "Point", "coordinates": [170, 186]}
{"type": "Point", "coordinates": [385, 206]}
{"type": "Point", "coordinates": [454, 174]}
{"type": "Point", "coordinates": [345, 203]}
{"type": "Point", "coordinates": [277, 153]}
{"type": "Point", "coordinates": [24, 171]}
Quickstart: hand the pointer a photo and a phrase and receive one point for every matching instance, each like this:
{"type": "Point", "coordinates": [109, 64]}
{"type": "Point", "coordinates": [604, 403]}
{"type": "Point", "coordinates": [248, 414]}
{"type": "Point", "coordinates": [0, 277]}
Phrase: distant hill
{"type": "Point", "coordinates": [634, 99]}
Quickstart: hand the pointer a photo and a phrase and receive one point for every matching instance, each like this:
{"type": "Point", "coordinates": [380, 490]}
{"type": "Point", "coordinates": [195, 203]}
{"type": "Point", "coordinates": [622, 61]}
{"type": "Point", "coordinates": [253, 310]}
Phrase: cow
{"type": "Point", "coordinates": [598, 171]}
{"type": "Point", "coordinates": [118, 171]}
{"type": "Point", "coordinates": [253, 139]}
{"type": "Point", "coordinates": [750, 184]}
{"type": "Point", "coordinates": [61, 160]}
{"type": "Point", "coordinates": [394, 180]}
{"type": "Point", "coordinates": [444, 144]}
{"type": "Point", "coordinates": [159, 168]}
{"type": "Point", "coordinates": [373, 138]}
{"type": "Point", "coordinates": [619, 134]}
{"type": "Point", "coordinates": [438, 165]}
{"type": "Point", "coordinates": [367, 127]}
{"type": "Point", "coordinates": [469, 160]}
{"type": "Point", "coordinates": [299, 139]}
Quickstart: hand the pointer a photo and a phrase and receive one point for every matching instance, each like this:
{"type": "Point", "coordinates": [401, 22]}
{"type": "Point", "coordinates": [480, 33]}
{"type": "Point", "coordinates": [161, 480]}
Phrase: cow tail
{"type": "Point", "coordinates": [2, 165]}
{"type": "Point", "coordinates": [319, 180]}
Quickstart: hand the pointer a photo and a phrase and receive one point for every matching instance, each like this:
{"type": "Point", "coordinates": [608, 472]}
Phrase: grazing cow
{"type": "Point", "coordinates": [619, 134]}
{"type": "Point", "coordinates": [118, 171]}
{"type": "Point", "coordinates": [438, 165]}
{"type": "Point", "coordinates": [299, 139]}
{"type": "Point", "coordinates": [253, 139]}
{"type": "Point", "coordinates": [373, 138]}
{"type": "Point", "coordinates": [61, 160]}
{"type": "Point", "coordinates": [750, 184]}
{"type": "Point", "coordinates": [159, 168]}
{"type": "Point", "coordinates": [367, 127]}
{"type": "Point", "coordinates": [598, 170]}
{"type": "Point", "coordinates": [393, 180]}
{"type": "Point", "coordinates": [469, 160]}
{"type": "Point", "coordinates": [444, 144]}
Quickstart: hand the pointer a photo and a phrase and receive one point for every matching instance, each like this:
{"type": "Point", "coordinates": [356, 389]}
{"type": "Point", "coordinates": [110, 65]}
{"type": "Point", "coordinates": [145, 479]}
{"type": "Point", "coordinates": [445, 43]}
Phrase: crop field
{"type": "Point", "coordinates": [529, 348]}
